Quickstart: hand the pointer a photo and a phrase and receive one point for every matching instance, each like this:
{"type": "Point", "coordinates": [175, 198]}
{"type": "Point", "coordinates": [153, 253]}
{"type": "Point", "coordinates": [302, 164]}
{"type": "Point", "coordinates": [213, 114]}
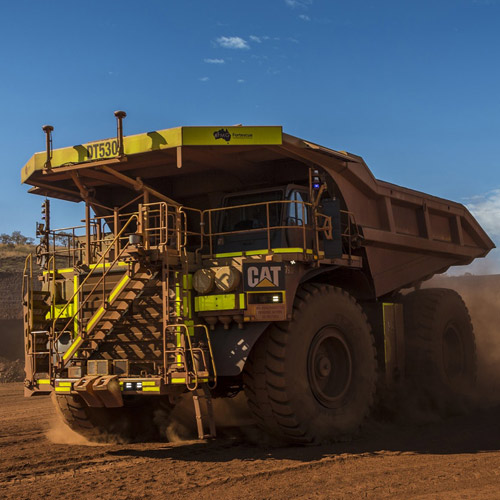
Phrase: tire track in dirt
{"type": "Point", "coordinates": [456, 458]}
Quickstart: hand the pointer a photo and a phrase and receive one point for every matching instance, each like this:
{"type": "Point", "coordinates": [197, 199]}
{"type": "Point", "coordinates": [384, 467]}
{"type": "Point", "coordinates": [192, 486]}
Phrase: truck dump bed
{"type": "Point", "coordinates": [406, 236]}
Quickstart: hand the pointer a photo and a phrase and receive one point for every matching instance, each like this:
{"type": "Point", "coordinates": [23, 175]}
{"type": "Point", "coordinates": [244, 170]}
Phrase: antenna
{"type": "Point", "coordinates": [48, 132]}
{"type": "Point", "coordinates": [120, 115]}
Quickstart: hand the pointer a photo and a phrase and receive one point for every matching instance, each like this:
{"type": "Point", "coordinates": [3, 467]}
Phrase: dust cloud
{"type": "Point", "coordinates": [481, 294]}
{"type": "Point", "coordinates": [60, 433]}
{"type": "Point", "coordinates": [232, 420]}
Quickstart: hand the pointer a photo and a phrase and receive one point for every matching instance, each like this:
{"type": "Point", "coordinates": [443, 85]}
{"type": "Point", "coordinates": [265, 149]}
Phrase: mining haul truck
{"type": "Point", "coordinates": [214, 260]}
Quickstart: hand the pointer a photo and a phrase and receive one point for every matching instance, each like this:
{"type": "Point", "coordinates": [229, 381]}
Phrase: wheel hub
{"type": "Point", "coordinates": [329, 366]}
{"type": "Point", "coordinates": [323, 367]}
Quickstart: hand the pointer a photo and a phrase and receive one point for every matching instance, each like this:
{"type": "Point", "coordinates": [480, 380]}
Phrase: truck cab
{"type": "Point", "coordinates": [247, 215]}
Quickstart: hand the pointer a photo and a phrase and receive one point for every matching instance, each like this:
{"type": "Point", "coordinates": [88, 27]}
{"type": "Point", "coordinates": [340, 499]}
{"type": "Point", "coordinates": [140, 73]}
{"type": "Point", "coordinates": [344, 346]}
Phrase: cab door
{"type": "Point", "coordinates": [299, 232]}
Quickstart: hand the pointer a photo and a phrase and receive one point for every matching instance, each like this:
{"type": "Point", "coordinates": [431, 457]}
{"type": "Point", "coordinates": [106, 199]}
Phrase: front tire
{"type": "Point", "coordinates": [313, 379]}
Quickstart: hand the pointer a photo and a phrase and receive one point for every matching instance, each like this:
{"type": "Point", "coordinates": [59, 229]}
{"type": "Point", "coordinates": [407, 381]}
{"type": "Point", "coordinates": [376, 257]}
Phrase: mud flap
{"type": "Point", "coordinates": [85, 388]}
{"type": "Point", "coordinates": [100, 391]}
{"type": "Point", "coordinates": [394, 348]}
{"type": "Point", "coordinates": [232, 347]}
{"type": "Point", "coordinates": [108, 391]}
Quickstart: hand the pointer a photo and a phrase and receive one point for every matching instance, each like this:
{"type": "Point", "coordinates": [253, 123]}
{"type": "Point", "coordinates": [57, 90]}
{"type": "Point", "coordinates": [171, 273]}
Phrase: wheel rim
{"type": "Point", "coordinates": [329, 366]}
{"type": "Point", "coordinates": [453, 353]}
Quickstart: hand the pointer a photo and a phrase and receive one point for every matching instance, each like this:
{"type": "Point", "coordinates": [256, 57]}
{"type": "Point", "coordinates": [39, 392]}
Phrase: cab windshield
{"type": "Point", "coordinates": [244, 217]}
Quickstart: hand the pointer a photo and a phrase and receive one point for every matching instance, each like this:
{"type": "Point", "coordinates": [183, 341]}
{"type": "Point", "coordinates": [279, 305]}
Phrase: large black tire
{"type": "Point", "coordinates": [140, 420]}
{"type": "Point", "coordinates": [313, 379]}
{"type": "Point", "coordinates": [440, 348]}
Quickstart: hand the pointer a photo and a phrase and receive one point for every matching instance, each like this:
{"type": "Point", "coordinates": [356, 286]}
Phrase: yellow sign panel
{"type": "Point", "coordinates": [154, 141]}
{"type": "Point", "coordinates": [231, 136]}
{"type": "Point", "coordinates": [108, 148]}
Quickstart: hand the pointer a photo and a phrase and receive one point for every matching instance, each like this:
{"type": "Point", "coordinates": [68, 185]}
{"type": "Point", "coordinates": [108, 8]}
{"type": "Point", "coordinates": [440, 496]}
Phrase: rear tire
{"type": "Point", "coordinates": [440, 348]}
{"type": "Point", "coordinates": [313, 379]}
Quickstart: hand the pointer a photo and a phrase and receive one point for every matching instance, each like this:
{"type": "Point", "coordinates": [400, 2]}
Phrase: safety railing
{"type": "Point", "coordinates": [349, 231]}
{"type": "Point", "coordinates": [159, 225]}
{"type": "Point", "coordinates": [269, 218]}
{"type": "Point", "coordinates": [105, 271]}
{"type": "Point", "coordinates": [27, 286]}
{"type": "Point", "coordinates": [164, 226]}
{"type": "Point", "coordinates": [65, 244]}
{"type": "Point", "coordinates": [191, 369]}
{"type": "Point", "coordinates": [31, 337]}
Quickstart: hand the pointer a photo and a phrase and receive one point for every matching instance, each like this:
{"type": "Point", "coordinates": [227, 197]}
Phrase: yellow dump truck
{"type": "Point", "coordinates": [214, 260]}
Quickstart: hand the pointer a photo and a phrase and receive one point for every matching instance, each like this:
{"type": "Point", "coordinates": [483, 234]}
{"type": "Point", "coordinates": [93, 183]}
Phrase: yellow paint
{"type": "Point", "coordinates": [57, 311]}
{"type": "Point", "coordinates": [187, 281]}
{"type": "Point", "coordinates": [75, 304]}
{"type": "Point", "coordinates": [153, 141]}
{"type": "Point", "coordinates": [118, 288]}
{"type": "Point", "coordinates": [178, 341]}
{"type": "Point", "coordinates": [59, 271]}
{"type": "Point", "coordinates": [177, 298]}
{"type": "Point", "coordinates": [73, 348]}
{"type": "Point", "coordinates": [242, 301]}
{"type": "Point", "coordinates": [43, 381]}
{"type": "Point", "coordinates": [147, 383]}
{"type": "Point", "coordinates": [114, 293]}
{"type": "Point", "coordinates": [64, 384]}
{"type": "Point", "coordinates": [63, 389]}
{"type": "Point", "coordinates": [221, 302]}
{"type": "Point", "coordinates": [183, 380]}
{"type": "Point", "coordinates": [95, 318]}
{"type": "Point", "coordinates": [92, 266]}
{"type": "Point", "coordinates": [150, 389]}
{"type": "Point", "coordinates": [107, 265]}
{"type": "Point", "coordinates": [231, 136]}
{"type": "Point", "coordinates": [229, 254]}
{"type": "Point", "coordinates": [186, 304]}
{"type": "Point", "coordinates": [178, 380]}
{"type": "Point", "coordinates": [264, 251]}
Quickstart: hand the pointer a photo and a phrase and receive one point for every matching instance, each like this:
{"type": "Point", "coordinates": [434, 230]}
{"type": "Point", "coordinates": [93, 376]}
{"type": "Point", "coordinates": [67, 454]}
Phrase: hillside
{"type": "Point", "coordinates": [12, 258]}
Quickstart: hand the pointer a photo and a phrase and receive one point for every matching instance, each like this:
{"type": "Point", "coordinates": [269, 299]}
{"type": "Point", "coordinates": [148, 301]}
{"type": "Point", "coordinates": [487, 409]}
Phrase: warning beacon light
{"type": "Point", "coordinates": [316, 182]}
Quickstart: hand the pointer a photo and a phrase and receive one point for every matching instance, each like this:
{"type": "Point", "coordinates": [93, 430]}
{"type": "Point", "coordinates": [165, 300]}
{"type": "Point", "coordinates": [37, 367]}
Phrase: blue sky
{"type": "Point", "coordinates": [412, 86]}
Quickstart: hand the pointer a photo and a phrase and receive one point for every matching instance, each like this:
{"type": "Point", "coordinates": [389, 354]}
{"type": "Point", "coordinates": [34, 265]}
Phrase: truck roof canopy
{"type": "Point", "coordinates": [400, 226]}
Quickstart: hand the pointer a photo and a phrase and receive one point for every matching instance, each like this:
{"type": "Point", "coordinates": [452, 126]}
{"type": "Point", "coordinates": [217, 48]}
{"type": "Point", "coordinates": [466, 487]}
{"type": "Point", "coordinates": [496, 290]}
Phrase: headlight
{"type": "Point", "coordinates": [204, 280]}
{"type": "Point", "coordinates": [227, 278]}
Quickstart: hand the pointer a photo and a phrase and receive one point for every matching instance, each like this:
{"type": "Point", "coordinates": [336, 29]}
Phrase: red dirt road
{"type": "Point", "coordinates": [457, 458]}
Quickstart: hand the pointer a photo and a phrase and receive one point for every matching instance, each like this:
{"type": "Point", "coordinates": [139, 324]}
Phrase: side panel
{"type": "Point", "coordinates": [392, 269]}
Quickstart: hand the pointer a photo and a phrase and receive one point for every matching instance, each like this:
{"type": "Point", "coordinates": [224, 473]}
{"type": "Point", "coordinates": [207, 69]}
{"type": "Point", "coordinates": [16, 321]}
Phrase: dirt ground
{"type": "Point", "coordinates": [456, 458]}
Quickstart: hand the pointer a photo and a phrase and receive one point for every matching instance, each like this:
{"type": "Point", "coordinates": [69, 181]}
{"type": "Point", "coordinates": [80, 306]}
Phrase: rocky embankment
{"type": "Point", "coordinates": [11, 327]}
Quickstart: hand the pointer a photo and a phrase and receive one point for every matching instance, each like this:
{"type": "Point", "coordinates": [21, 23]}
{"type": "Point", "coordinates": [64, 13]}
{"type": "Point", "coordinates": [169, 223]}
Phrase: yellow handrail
{"type": "Point", "coordinates": [70, 301]}
{"type": "Point", "coordinates": [191, 349]}
{"type": "Point", "coordinates": [211, 354]}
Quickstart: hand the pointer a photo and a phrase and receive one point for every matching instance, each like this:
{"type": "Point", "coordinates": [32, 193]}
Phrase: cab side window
{"type": "Point", "coordinates": [297, 212]}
